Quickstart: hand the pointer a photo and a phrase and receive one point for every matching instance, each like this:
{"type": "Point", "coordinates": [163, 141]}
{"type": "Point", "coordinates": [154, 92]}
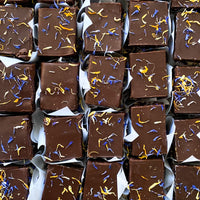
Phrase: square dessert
{"type": "Point", "coordinates": [15, 138]}
{"type": "Point", "coordinates": [105, 137]}
{"type": "Point", "coordinates": [187, 182]}
{"type": "Point", "coordinates": [57, 31]}
{"type": "Point", "coordinates": [17, 87]}
{"type": "Point", "coordinates": [148, 23]}
{"type": "Point", "coordinates": [101, 180]}
{"type": "Point", "coordinates": [14, 183]}
{"type": "Point", "coordinates": [187, 139]}
{"type": "Point", "coordinates": [105, 33]}
{"type": "Point", "coordinates": [59, 86]}
{"type": "Point", "coordinates": [186, 90]}
{"type": "Point", "coordinates": [185, 4]}
{"type": "Point", "coordinates": [16, 32]}
{"type": "Point", "coordinates": [187, 43]}
{"type": "Point", "coordinates": [147, 179]}
{"type": "Point", "coordinates": [63, 138]}
{"type": "Point", "coordinates": [149, 72]}
{"type": "Point", "coordinates": [106, 75]}
{"type": "Point", "coordinates": [62, 182]}
{"type": "Point", "coordinates": [149, 122]}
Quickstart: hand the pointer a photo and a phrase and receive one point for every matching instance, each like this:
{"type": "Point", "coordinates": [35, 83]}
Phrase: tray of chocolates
{"type": "Point", "coordinates": [99, 99]}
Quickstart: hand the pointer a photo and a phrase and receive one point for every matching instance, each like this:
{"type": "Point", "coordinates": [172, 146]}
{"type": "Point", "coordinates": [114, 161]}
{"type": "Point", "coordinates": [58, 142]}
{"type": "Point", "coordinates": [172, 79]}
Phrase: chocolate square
{"type": "Point", "coordinates": [63, 138]}
{"type": "Point", "coordinates": [62, 182]}
{"type": "Point", "coordinates": [187, 139]}
{"type": "Point", "coordinates": [15, 1]}
{"type": "Point", "coordinates": [14, 183]}
{"type": "Point", "coordinates": [15, 31]}
{"type": "Point", "coordinates": [148, 23]}
{"type": "Point", "coordinates": [59, 86]}
{"type": "Point", "coordinates": [106, 75]}
{"type": "Point", "coordinates": [149, 122]}
{"type": "Point", "coordinates": [15, 138]}
{"type": "Point", "coordinates": [187, 43]}
{"type": "Point", "coordinates": [149, 73]}
{"type": "Point", "coordinates": [187, 182]}
{"type": "Point", "coordinates": [147, 179]}
{"type": "Point", "coordinates": [186, 89]}
{"type": "Point", "coordinates": [105, 33]}
{"type": "Point", "coordinates": [17, 87]}
{"type": "Point", "coordinates": [185, 4]}
{"type": "Point", "coordinates": [57, 31]}
{"type": "Point", "coordinates": [105, 138]}
{"type": "Point", "coordinates": [101, 180]}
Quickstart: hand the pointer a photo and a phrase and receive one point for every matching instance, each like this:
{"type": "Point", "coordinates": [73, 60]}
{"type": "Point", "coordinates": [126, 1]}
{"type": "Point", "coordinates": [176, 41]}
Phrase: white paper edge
{"type": "Point", "coordinates": [73, 160]}
{"type": "Point", "coordinates": [132, 134]}
{"type": "Point", "coordinates": [9, 61]}
{"type": "Point", "coordinates": [169, 80]}
{"type": "Point", "coordinates": [38, 179]}
{"type": "Point", "coordinates": [122, 183]}
{"type": "Point", "coordinates": [126, 28]}
{"type": "Point", "coordinates": [62, 112]}
{"type": "Point", "coordinates": [191, 159]}
{"type": "Point", "coordinates": [129, 79]}
{"type": "Point", "coordinates": [172, 128]}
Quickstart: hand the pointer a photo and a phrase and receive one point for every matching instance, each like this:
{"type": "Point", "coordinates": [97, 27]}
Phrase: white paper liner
{"type": "Point", "coordinates": [122, 183]}
{"type": "Point", "coordinates": [126, 28]}
{"type": "Point", "coordinates": [38, 179]}
{"type": "Point", "coordinates": [169, 180]}
{"type": "Point", "coordinates": [9, 61]}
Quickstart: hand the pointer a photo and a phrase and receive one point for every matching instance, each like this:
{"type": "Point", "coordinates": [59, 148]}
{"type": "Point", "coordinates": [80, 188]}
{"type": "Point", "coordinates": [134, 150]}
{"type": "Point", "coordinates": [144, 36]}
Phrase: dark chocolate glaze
{"type": "Point", "coordinates": [63, 138]}
{"type": "Point", "coordinates": [186, 139]}
{"type": "Point", "coordinates": [185, 4]}
{"type": "Point", "coordinates": [56, 1]}
{"type": "Point", "coordinates": [14, 183]}
{"type": "Point", "coordinates": [105, 33]}
{"type": "Point", "coordinates": [15, 1]}
{"type": "Point", "coordinates": [147, 179]}
{"type": "Point", "coordinates": [15, 138]}
{"type": "Point", "coordinates": [149, 72]}
{"type": "Point", "coordinates": [149, 123]}
{"type": "Point", "coordinates": [57, 31]}
{"type": "Point", "coordinates": [17, 87]}
{"type": "Point", "coordinates": [106, 75]}
{"type": "Point", "coordinates": [15, 32]}
{"type": "Point", "coordinates": [187, 43]}
{"type": "Point", "coordinates": [105, 138]}
{"type": "Point", "coordinates": [187, 182]}
{"type": "Point", "coordinates": [62, 183]}
{"type": "Point", "coordinates": [59, 86]}
{"type": "Point", "coordinates": [148, 23]}
{"type": "Point", "coordinates": [186, 89]}
{"type": "Point", "coordinates": [101, 181]}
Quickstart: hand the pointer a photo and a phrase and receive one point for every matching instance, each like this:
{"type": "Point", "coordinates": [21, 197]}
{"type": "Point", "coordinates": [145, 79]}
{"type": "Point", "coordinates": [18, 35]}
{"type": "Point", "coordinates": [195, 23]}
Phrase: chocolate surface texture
{"type": "Point", "coordinates": [101, 181]}
{"type": "Point", "coordinates": [146, 179]}
{"type": "Point", "coordinates": [62, 183]}
{"type": "Point", "coordinates": [15, 138]}
{"type": "Point", "coordinates": [186, 89]}
{"type": "Point", "coordinates": [59, 86]}
{"type": "Point", "coordinates": [187, 139]}
{"type": "Point", "coordinates": [14, 183]}
{"type": "Point", "coordinates": [105, 33]}
{"type": "Point", "coordinates": [15, 32]}
{"type": "Point", "coordinates": [185, 3]}
{"type": "Point", "coordinates": [57, 31]}
{"type": "Point", "coordinates": [17, 88]}
{"type": "Point", "coordinates": [63, 138]}
{"type": "Point", "coordinates": [105, 137]}
{"type": "Point", "coordinates": [148, 23]}
{"type": "Point", "coordinates": [149, 73]}
{"type": "Point", "coordinates": [187, 44]}
{"type": "Point", "coordinates": [187, 182]}
{"type": "Point", "coordinates": [149, 123]}
{"type": "Point", "coordinates": [106, 75]}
